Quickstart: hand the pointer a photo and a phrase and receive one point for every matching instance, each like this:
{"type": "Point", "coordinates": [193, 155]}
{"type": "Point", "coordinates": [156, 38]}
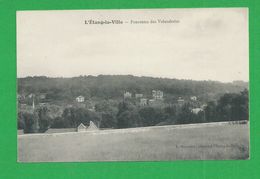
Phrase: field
{"type": "Point", "coordinates": [184, 142]}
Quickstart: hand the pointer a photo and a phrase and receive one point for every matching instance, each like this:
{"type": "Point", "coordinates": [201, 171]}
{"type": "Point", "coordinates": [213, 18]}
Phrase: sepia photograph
{"type": "Point", "coordinates": [133, 85]}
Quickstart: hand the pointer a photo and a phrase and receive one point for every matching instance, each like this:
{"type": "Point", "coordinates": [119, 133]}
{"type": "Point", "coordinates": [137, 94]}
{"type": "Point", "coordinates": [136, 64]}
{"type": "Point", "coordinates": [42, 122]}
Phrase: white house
{"type": "Point", "coordinates": [92, 126]}
{"type": "Point", "coordinates": [143, 102]}
{"type": "Point", "coordinates": [127, 95]}
{"type": "Point", "coordinates": [140, 95]}
{"type": "Point", "coordinates": [80, 99]}
{"type": "Point", "coordinates": [193, 98]}
{"type": "Point", "coordinates": [196, 110]}
{"type": "Point", "coordinates": [180, 101]}
{"type": "Point", "coordinates": [157, 94]}
{"type": "Point", "coordinates": [81, 128]}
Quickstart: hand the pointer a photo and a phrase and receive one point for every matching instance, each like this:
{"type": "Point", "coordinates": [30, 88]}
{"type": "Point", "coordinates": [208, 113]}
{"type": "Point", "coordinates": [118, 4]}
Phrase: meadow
{"type": "Point", "coordinates": [213, 141]}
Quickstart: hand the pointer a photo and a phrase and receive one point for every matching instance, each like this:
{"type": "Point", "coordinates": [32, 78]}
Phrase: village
{"type": "Point", "coordinates": [31, 102]}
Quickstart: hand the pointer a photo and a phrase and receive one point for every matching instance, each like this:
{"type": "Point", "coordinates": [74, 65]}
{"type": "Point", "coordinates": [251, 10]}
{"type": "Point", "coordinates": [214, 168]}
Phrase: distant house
{"type": "Point", "coordinates": [92, 126]}
{"type": "Point", "coordinates": [157, 94]}
{"type": "Point", "coordinates": [23, 105]}
{"type": "Point", "coordinates": [155, 103]}
{"type": "Point", "coordinates": [127, 95]}
{"type": "Point", "coordinates": [80, 99]}
{"type": "Point", "coordinates": [81, 128]}
{"type": "Point", "coordinates": [196, 110]}
{"type": "Point", "coordinates": [180, 101]}
{"type": "Point", "coordinates": [143, 102]}
{"type": "Point", "coordinates": [90, 105]}
{"type": "Point", "coordinates": [203, 106]}
{"type": "Point", "coordinates": [42, 96]}
{"type": "Point", "coordinates": [20, 98]}
{"type": "Point", "coordinates": [151, 101]}
{"type": "Point", "coordinates": [139, 95]}
{"type": "Point", "coordinates": [43, 104]}
{"type": "Point", "coordinates": [31, 95]}
{"type": "Point", "coordinates": [69, 105]}
{"type": "Point", "coordinates": [193, 98]}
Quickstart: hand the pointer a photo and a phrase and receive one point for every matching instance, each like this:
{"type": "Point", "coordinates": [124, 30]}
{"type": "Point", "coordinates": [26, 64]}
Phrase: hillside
{"type": "Point", "coordinates": [113, 86]}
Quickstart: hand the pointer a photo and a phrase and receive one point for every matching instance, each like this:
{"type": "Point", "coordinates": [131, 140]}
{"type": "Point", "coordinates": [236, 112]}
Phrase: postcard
{"type": "Point", "coordinates": [133, 85]}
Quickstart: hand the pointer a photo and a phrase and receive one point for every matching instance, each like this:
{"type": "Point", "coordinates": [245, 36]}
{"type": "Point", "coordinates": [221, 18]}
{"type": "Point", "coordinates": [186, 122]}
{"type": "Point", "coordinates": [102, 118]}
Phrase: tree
{"type": "Point", "coordinates": [171, 114]}
{"type": "Point", "coordinates": [233, 106]}
{"type": "Point", "coordinates": [210, 112]}
{"type": "Point", "coordinates": [186, 116]}
{"type": "Point", "coordinates": [128, 119]}
{"type": "Point", "coordinates": [239, 109]}
{"type": "Point", "coordinates": [151, 116]}
{"type": "Point", "coordinates": [127, 115]}
{"type": "Point", "coordinates": [108, 114]}
{"type": "Point", "coordinates": [20, 121]}
{"type": "Point", "coordinates": [29, 122]}
{"type": "Point", "coordinates": [72, 117]}
{"type": "Point", "coordinates": [60, 122]}
{"type": "Point", "coordinates": [44, 119]}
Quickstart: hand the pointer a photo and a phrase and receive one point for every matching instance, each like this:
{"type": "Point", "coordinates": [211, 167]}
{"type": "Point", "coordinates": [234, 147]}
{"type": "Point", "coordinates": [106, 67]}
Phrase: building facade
{"type": "Point", "coordinates": [157, 94]}
{"type": "Point", "coordinates": [80, 99]}
{"type": "Point", "coordinates": [127, 95]}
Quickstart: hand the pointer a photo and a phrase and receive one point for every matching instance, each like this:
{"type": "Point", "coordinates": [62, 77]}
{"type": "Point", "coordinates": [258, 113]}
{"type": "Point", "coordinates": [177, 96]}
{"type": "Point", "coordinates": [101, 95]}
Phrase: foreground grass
{"type": "Point", "coordinates": [196, 142]}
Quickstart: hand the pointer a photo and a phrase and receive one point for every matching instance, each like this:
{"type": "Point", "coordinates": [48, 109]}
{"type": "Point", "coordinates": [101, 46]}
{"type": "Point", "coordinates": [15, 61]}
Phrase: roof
{"type": "Point", "coordinates": [92, 126]}
{"type": "Point", "coordinates": [81, 126]}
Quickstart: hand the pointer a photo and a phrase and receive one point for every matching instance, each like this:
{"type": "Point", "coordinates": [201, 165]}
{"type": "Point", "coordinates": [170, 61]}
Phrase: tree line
{"type": "Point", "coordinates": [113, 86]}
{"type": "Point", "coordinates": [125, 114]}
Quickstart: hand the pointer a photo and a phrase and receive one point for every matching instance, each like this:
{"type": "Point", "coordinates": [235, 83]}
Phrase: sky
{"type": "Point", "coordinates": [205, 44]}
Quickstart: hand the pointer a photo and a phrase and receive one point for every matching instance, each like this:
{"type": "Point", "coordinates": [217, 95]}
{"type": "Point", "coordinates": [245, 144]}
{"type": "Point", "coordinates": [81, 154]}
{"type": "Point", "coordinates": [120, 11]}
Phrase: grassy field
{"type": "Point", "coordinates": [188, 142]}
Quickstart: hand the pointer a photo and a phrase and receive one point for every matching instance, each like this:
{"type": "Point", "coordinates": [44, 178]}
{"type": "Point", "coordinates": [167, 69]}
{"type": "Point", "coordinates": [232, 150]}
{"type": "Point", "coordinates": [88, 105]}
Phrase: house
{"type": "Point", "coordinates": [193, 98]}
{"type": "Point", "coordinates": [81, 128]}
{"type": "Point", "coordinates": [80, 99]}
{"type": "Point", "coordinates": [42, 96]}
{"type": "Point", "coordinates": [22, 105]}
{"type": "Point", "coordinates": [31, 95]}
{"type": "Point", "coordinates": [180, 101]}
{"type": "Point", "coordinates": [157, 94]}
{"type": "Point", "coordinates": [92, 126]}
{"type": "Point", "coordinates": [151, 101]}
{"type": "Point", "coordinates": [69, 105]}
{"type": "Point", "coordinates": [90, 105]}
{"type": "Point", "coordinates": [196, 110]}
{"type": "Point", "coordinates": [203, 106]}
{"type": "Point", "coordinates": [143, 102]}
{"type": "Point", "coordinates": [155, 103]}
{"type": "Point", "coordinates": [43, 104]}
{"type": "Point", "coordinates": [138, 95]}
{"type": "Point", "coordinates": [20, 98]}
{"type": "Point", "coordinates": [127, 95]}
